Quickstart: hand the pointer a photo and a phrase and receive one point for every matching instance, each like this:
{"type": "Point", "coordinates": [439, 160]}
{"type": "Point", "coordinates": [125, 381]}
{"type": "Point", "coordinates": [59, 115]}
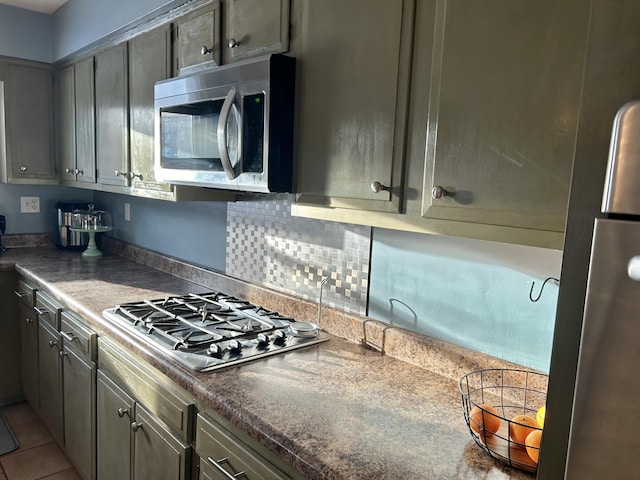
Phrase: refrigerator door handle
{"type": "Point", "coordinates": [633, 268]}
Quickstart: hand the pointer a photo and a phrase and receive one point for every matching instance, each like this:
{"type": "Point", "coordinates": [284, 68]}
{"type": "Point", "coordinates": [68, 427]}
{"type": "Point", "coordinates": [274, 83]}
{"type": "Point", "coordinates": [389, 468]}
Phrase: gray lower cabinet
{"type": "Point", "coordinates": [112, 115]}
{"type": "Point", "coordinates": [29, 354]}
{"type": "Point", "coordinates": [50, 380]}
{"type": "Point", "coordinates": [10, 379]}
{"type": "Point", "coordinates": [78, 353]}
{"type": "Point", "coordinates": [143, 424]}
{"type": "Point", "coordinates": [27, 133]}
{"type": "Point", "coordinates": [114, 414]}
{"type": "Point", "coordinates": [224, 456]}
{"type": "Point", "coordinates": [352, 96]}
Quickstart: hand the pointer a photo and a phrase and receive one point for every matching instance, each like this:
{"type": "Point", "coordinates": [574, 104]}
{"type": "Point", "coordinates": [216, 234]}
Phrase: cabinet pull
{"type": "Point", "coordinates": [53, 343]}
{"type": "Point", "coordinates": [28, 321]}
{"type": "Point", "coordinates": [205, 50]}
{"type": "Point", "coordinates": [438, 192]}
{"type": "Point", "coordinates": [23, 168]}
{"type": "Point", "coordinates": [233, 43]}
{"type": "Point", "coordinates": [123, 174]}
{"type": "Point", "coordinates": [122, 412]}
{"type": "Point", "coordinates": [62, 354]}
{"type": "Point", "coordinates": [20, 294]}
{"type": "Point", "coordinates": [137, 175]}
{"type": "Point", "coordinates": [69, 337]}
{"type": "Point", "coordinates": [135, 426]}
{"type": "Point", "coordinates": [68, 171]}
{"type": "Point", "coordinates": [40, 311]}
{"type": "Point", "coordinates": [79, 172]}
{"type": "Point", "coordinates": [218, 465]}
{"type": "Point", "coordinates": [378, 187]}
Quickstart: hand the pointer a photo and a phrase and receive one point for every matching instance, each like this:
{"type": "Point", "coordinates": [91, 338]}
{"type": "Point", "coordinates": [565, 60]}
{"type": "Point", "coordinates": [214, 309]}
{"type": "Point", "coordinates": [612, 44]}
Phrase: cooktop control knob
{"type": "Point", "coordinates": [280, 336]}
{"type": "Point", "coordinates": [234, 346]}
{"type": "Point", "coordinates": [263, 340]}
{"type": "Point", "coordinates": [215, 350]}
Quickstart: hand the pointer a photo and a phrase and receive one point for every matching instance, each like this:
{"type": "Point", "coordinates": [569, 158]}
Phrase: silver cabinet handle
{"type": "Point", "coordinates": [69, 337]}
{"type": "Point", "coordinates": [135, 426]}
{"type": "Point", "coordinates": [233, 43]}
{"type": "Point", "coordinates": [53, 343]}
{"type": "Point", "coordinates": [137, 175]}
{"type": "Point", "coordinates": [378, 187]}
{"type": "Point", "coordinates": [205, 50]}
{"type": "Point", "coordinates": [28, 321]}
{"type": "Point", "coordinates": [62, 354]}
{"type": "Point", "coordinates": [218, 465]}
{"type": "Point", "coordinates": [79, 172]}
{"type": "Point", "coordinates": [122, 412]}
{"type": "Point", "coordinates": [68, 171]}
{"type": "Point", "coordinates": [40, 311]}
{"type": "Point", "coordinates": [20, 294]}
{"type": "Point", "coordinates": [23, 168]}
{"type": "Point", "coordinates": [122, 174]}
{"type": "Point", "coordinates": [438, 192]}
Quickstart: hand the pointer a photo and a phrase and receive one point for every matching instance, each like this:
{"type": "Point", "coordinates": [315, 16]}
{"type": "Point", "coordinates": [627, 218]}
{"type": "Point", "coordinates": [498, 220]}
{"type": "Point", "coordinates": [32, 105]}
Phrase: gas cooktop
{"type": "Point", "coordinates": [212, 330]}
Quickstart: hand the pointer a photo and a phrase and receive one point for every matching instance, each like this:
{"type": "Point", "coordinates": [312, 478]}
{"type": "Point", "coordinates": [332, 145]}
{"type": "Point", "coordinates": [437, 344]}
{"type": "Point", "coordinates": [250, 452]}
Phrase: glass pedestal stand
{"type": "Point", "coordinates": [92, 249]}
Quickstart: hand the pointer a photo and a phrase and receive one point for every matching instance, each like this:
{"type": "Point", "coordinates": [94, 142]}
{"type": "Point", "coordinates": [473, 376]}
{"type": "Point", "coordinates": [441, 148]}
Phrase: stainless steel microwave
{"type": "Point", "coordinates": [229, 127]}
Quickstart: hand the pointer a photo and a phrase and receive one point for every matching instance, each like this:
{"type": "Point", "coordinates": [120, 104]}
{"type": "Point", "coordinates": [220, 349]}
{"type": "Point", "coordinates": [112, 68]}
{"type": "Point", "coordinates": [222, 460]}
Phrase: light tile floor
{"type": "Point", "coordinates": [39, 457]}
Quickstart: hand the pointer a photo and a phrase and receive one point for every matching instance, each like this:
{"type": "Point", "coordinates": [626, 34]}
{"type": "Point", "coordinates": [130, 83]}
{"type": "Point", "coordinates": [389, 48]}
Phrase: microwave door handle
{"type": "Point", "coordinates": [222, 134]}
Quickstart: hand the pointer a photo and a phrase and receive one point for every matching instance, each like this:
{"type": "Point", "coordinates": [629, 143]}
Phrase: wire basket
{"type": "Point", "coordinates": [510, 392]}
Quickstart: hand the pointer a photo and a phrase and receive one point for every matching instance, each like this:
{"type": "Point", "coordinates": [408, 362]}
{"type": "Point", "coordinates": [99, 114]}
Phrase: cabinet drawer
{"type": "Point", "coordinates": [220, 449]}
{"type": "Point", "coordinates": [26, 292]}
{"type": "Point", "coordinates": [48, 309]}
{"type": "Point", "coordinates": [77, 336]}
{"type": "Point", "coordinates": [148, 387]}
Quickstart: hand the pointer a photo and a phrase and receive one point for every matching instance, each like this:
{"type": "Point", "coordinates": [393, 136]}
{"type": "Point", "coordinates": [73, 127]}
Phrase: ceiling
{"type": "Point", "coordinates": [42, 6]}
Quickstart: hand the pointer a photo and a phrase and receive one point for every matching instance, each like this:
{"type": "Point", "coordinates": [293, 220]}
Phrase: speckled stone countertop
{"type": "Point", "coordinates": [338, 410]}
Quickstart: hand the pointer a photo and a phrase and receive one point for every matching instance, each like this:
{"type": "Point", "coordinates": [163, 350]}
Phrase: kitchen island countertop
{"type": "Point", "coordinates": [337, 410]}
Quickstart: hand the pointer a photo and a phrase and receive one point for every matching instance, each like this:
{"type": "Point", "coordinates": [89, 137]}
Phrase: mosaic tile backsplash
{"type": "Point", "coordinates": [266, 245]}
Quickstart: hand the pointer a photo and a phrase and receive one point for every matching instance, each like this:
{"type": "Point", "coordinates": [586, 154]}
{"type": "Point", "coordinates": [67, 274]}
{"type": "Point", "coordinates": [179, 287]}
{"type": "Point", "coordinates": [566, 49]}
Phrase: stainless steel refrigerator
{"type": "Point", "coordinates": [604, 437]}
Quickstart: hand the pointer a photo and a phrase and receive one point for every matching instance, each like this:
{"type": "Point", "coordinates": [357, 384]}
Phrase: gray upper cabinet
{"type": "Point", "coordinates": [112, 116]}
{"type": "Point", "coordinates": [352, 93]}
{"type": "Point", "coordinates": [197, 39]}
{"type": "Point", "coordinates": [503, 111]}
{"type": "Point", "coordinates": [75, 121]}
{"type": "Point", "coordinates": [149, 62]}
{"type": "Point", "coordinates": [26, 135]}
{"type": "Point", "coordinates": [254, 27]}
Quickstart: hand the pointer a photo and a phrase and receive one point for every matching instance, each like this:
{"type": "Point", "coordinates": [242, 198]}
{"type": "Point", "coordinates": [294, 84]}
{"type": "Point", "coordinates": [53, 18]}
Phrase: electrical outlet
{"type": "Point", "coordinates": [127, 212]}
{"type": "Point", "coordinates": [29, 204]}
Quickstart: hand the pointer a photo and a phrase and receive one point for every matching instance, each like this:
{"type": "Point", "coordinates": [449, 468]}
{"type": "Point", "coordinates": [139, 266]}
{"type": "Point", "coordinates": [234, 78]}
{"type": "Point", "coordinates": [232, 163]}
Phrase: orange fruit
{"type": "Point", "coordinates": [484, 418]}
{"type": "Point", "coordinates": [521, 426]}
{"type": "Point", "coordinates": [532, 444]}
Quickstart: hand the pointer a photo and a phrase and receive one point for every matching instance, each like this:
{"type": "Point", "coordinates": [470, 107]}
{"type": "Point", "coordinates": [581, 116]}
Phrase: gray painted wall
{"type": "Point", "coordinates": [468, 292]}
{"type": "Point", "coordinates": [25, 34]}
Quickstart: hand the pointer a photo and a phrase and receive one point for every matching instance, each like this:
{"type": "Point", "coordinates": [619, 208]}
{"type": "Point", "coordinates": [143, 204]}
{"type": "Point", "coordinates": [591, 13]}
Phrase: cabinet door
{"type": "Point", "coordinates": [158, 454]}
{"type": "Point", "coordinates": [352, 96]}
{"type": "Point", "coordinates": [255, 27]}
{"type": "Point", "coordinates": [197, 43]}
{"type": "Point", "coordinates": [85, 122]}
{"type": "Point", "coordinates": [149, 62]}
{"type": "Point", "coordinates": [29, 355]}
{"type": "Point", "coordinates": [50, 379]}
{"type": "Point", "coordinates": [503, 111]}
{"type": "Point", "coordinates": [10, 381]}
{"type": "Point", "coordinates": [66, 122]}
{"type": "Point", "coordinates": [29, 124]}
{"type": "Point", "coordinates": [112, 125]}
{"type": "Point", "coordinates": [114, 414]}
{"type": "Point", "coordinates": [79, 412]}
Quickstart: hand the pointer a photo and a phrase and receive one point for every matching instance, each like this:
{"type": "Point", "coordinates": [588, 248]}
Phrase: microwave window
{"type": "Point", "coordinates": [189, 139]}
